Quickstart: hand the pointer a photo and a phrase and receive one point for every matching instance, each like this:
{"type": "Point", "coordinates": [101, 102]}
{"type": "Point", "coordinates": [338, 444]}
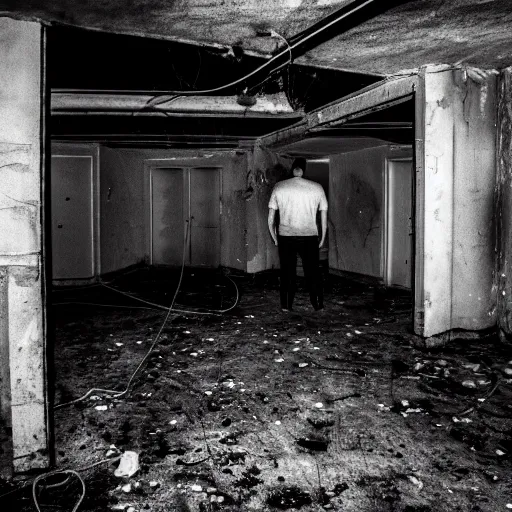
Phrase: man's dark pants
{"type": "Point", "coordinates": [307, 248]}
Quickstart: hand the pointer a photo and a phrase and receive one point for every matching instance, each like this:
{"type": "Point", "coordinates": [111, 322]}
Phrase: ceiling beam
{"type": "Point", "coordinates": [370, 99]}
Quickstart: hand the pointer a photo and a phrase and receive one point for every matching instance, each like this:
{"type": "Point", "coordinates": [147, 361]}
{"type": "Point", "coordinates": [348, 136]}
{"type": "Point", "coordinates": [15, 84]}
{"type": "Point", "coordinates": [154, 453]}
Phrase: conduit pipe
{"type": "Point", "coordinates": [266, 106]}
{"type": "Point", "coordinates": [349, 16]}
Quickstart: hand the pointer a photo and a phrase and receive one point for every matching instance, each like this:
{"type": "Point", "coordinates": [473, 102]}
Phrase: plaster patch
{"type": "Point", "coordinates": [25, 276]}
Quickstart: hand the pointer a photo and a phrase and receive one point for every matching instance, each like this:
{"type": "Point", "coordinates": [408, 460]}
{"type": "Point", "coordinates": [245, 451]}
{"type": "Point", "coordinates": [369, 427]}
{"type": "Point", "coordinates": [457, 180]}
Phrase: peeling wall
{"type": "Point", "coordinates": [459, 155]}
{"type": "Point", "coordinates": [504, 201]}
{"type": "Point", "coordinates": [265, 169]}
{"type": "Point", "coordinates": [22, 337]}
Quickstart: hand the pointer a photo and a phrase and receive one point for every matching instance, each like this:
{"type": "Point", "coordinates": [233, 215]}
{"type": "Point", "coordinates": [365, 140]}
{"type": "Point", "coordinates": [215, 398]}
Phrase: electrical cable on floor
{"type": "Point", "coordinates": [205, 311]}
{"type": "Point", "coordinates": [102, 305]}
{"type": "Point", "coordinates": [116, 393]}
{"type": "Point", "coordinates": [58, 472]}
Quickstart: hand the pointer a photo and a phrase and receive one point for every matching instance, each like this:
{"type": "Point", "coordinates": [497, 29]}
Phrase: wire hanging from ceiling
{"type": "Point", "coordinates": [288, 50]}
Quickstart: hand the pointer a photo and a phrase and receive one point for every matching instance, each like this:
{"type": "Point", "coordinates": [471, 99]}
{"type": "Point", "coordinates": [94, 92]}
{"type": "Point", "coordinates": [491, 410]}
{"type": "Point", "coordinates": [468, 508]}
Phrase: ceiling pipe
{"type": "Point", "coordinates": [342, 20]}
{"type": "Point", "coordinates": [275, 105]}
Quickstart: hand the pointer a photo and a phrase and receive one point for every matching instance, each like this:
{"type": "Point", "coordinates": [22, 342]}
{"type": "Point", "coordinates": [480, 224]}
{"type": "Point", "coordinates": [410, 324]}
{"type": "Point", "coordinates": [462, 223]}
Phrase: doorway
{"type": "Point", "coordinates": [399, 227]}
{"type": "Point", "coordinates": [72, 202]}
{"type": "Point", "coordinates": [181, 197]}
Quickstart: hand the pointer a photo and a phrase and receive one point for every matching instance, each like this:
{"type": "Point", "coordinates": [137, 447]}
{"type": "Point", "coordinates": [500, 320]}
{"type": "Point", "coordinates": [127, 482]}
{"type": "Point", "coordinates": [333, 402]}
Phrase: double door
{"type": "Point", "coordinates": [185, 216]}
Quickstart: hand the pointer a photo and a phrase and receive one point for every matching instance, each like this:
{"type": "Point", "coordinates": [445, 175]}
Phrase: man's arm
{"type": "Point", "coordinates": [271, 224]}
{"type": "Point", "coordinates": [323, 226]}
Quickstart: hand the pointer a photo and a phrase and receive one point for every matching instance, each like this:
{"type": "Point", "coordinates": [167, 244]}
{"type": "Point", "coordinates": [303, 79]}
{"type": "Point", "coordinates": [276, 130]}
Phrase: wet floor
{"type": "Point", "coordinates": [256, 409]}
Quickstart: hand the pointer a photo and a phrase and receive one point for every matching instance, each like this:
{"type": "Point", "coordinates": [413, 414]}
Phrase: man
{"type": "Point", "coordinates": [298, 201]}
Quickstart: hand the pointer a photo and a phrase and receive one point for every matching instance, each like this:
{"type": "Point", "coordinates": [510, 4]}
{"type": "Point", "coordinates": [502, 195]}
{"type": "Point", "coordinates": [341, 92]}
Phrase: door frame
{"type": "Point", "coordinates": [92, 152]}
{"type": "Point", "coordinates": [385, 231]}
{"type": "Point", "coordinates": [186, 166]}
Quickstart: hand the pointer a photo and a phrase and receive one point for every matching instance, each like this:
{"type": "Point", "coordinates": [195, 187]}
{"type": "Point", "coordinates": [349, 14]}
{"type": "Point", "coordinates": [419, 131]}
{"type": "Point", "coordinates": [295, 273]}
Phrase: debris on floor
{"type": "Point", "coordinates": [226, 416]}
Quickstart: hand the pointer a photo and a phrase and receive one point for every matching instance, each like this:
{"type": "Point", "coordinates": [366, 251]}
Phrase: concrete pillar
{"type": "Point", "coordinates": [455, 192]}
{"type": "Point", "coordinates": [504, 202]}
{"type": "Point", "coordinates": [22, 327]}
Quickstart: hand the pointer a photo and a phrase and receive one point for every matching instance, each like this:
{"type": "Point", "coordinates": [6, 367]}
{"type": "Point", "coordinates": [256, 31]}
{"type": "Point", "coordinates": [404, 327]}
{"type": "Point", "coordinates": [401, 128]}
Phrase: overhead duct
{"type": "Point", "coordinates": [272, 105]}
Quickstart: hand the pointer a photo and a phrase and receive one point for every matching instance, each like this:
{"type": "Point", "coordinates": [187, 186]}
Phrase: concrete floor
{"type": "Point", "coordinates": [259, 410]}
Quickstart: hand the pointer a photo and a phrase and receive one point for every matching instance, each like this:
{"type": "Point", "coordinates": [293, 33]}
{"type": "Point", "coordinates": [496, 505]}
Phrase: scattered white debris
{"type": "Point", "coordinates": [410, 411]}
{"type": "Point", "coordinates": [112, 451]}
{"type": "Point", "coordinates": [303, 365]}
{"type": "Point", "coordinates": [186, 332]}
{"type": "Point", "coordinates": [416, 482]}
{"type": "Point", "coordinates": [319, 405]}
{"type": "Point", "coordinates": [405, 403]}
{"type": "Point", "coordinates": [265, 342]}
{"type": "Point", "coordinates": [349, 334]}
{"type": "Point", "coordinates": [139, 342]}
{"type": "Point", "coordinates": [279, 360]}
{"type": "Point", "coordinates": [474, 367]}
{"type": "Point", "coordinates": [507, 371]}
{"type": "Point", "coordinates": [154, 484]}
{"type": "Point", "coordinates": [128, 465]}
{"type": "Point", "coordinates": [509, 505]}
{"type": "Point", "coordinates": [249, 316]}
{"type": "Point", "coordinates": [469, 384]}
{"type": "Point", "coordinates": [358, 332]}
{"type": "Point", "coordinates": [194, 354]}
{"type": "Point", "coordinates": [278, 422]}
{"type": "Point", "coordinates": [119, 344]}
{"type": "Point", "coordinates": [228, 384]}
{"type": "Point", "coordinates": [196, 488]}
{"type": "Point", "coordinates": [211, 490]}
{"type": "Point", "coordinates": [101, 407]}
{"type": "Point", "coordinates": [296, 349]}
{"type": "Point", "coordinates": [127, 488]}
{"type": "Point", "coordinates": [481, 399]}
{"type": "Point", "coordinates": [500, 453]}
{"type": "Point", "coordinates": [316, 348]}
{"type": "Point", "coordinates": [95, 397]}
{"type": "Point", "coordinates": [450, 491]}
{"type": "Point", "coordinates": [439, 425]}
{"type": "Point", "coordinates": [173, 422]}
{"type": "Point", "coordinates": [210, 339]}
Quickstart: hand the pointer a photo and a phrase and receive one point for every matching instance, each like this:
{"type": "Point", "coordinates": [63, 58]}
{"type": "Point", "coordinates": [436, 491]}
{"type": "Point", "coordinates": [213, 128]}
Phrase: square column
{"type": "Point", "coordinates": [23, 385]}
{"type": "Point", "coordinates": [455, 189]}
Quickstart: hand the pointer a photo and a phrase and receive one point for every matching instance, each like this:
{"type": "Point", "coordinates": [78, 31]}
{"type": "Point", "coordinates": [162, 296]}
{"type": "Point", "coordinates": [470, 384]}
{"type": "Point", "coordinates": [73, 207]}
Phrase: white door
{"type": "Point", "coordinates": [72, 217]}
{"type": "Point", "coordinates": [399, 223]}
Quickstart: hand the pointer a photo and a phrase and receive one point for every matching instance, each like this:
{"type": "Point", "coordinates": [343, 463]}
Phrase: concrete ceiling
{"type": "Point", "coordinates": [475, 32]}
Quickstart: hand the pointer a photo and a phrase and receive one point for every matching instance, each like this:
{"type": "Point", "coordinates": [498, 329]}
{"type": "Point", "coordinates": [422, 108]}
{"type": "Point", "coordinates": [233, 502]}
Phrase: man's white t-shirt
{"type": "Point", "coordinates": [298, 201]}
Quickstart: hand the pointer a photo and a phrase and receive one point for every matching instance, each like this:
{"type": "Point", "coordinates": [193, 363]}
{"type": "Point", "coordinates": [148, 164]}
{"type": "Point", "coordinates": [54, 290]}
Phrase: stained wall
{"type": "Point", "coordinates": [459, 138]}
{"type": "Point", "coordinates": [23, 386]}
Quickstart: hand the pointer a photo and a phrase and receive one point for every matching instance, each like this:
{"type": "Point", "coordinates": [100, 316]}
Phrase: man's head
{"type": "Point", "coordinates": [298, 167]}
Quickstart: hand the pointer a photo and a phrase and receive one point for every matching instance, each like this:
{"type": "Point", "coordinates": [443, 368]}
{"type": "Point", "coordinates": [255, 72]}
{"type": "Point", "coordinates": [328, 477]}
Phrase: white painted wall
{"type": "Point", "coordinates": [459, 177]}
{"type": "Point", "coordinates": [22, 334]}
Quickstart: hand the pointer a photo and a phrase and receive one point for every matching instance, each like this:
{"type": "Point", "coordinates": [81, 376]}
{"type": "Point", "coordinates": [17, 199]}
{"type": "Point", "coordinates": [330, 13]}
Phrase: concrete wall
{"type": "Point", "coordinates": [457, 188]}
{"type": "Point", "coordinates": [504, 202]}
{"type": "Point", "coordinates": [24, 401]}
{"type": "Point", "coordinates": [356, 215]}
{"type": "Point", "coordinates": [123, 206]}
{"type": "Point", "coordinates": [265, 168]}
{"type": "Point", "coordinates": [356, 209]}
